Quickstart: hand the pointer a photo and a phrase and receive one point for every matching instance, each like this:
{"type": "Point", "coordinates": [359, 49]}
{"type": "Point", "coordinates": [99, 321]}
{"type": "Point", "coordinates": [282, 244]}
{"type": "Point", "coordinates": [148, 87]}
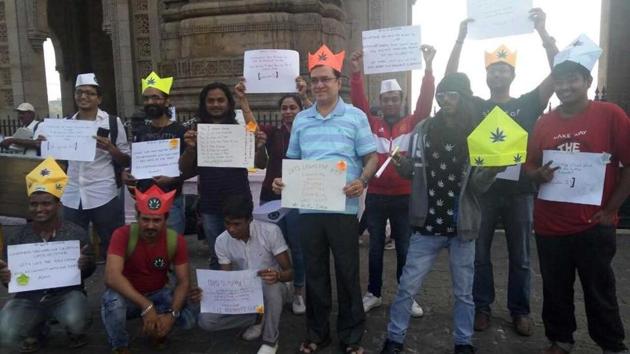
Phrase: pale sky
{"type": "Point", "coordinates": [566, 20]}
{"type": "Point", "coordinates": [52, 76]}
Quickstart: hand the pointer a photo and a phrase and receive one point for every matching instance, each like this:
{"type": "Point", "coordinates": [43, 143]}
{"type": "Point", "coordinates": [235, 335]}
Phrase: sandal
{"type": "Point", "coordinates": [354, 349]}
{"type": "Point", "coordinates": [29, 345]}
{"type": "Point", "coordinates": [309, 347]}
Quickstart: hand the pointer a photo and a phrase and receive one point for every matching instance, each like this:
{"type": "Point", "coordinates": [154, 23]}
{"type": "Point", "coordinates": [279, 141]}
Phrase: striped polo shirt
{"type": "Point", "coordinates": [344, 134]}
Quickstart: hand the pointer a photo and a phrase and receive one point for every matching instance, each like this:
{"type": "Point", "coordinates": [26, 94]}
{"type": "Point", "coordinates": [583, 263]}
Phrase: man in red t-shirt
{"type": "Point", "coordinates": [573, 234]}
{"type": "Point", "coordinates": [136, 276]}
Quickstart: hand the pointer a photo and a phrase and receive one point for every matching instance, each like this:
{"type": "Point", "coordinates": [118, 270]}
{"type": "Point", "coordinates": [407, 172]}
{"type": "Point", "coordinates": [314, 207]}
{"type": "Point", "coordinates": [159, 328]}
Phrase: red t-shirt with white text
{"type": "Point", "coordinates": [602, 127]}
{"type": "Point", "coordinates": [147, 267]}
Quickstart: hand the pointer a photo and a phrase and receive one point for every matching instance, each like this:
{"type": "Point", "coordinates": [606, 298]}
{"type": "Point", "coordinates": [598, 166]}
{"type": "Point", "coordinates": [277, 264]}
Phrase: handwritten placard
{"type": "Point", "coordinates": [68, 139]}
{"type": "Point", "coordinates": [225, 145]}
{"type": "Point", "coordinates": [392, 49]}
{"type": "Point", "coordinates": [43, 265]}
{"type": "Point", "coordinates": [230, 292]}
{"type": "Point", "coordinates": [316, 185]}
{"type": "Point", "coordinates": [494, 18]}
{"type": "Point", "coordinates": [155, 158]}
{"type": "Point", "coordinates": [580, 178]}
{"type": "Point", "coordinates": [271, 70]}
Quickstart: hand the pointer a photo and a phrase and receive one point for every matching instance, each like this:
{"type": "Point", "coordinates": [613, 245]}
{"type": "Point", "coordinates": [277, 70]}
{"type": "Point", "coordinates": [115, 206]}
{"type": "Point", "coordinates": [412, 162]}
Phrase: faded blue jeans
{"type": "Point", "coordinates": [116, 310]}
{"type": "Point", "coordinates": [26, 316]}
{"type": "Point", "coordinates": [213, 226]}
{"type": "Point", "coordinates": [177, 215]}
{"type": "Point", "coordinates": [290, 226]}
{"type": "Point", "coordinates": [423, 250]}
{"type": "Point", "coordinates": [515, 211]}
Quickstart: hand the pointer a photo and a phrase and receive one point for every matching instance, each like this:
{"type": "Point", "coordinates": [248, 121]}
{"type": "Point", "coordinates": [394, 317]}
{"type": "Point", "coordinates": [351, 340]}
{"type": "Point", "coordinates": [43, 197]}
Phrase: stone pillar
{"type": "Point", "coordinates": [7, 42]}
{"type": "Point", "coordinates": [120, 26]}
{"type": "Point", "coordinates": [614, 71]}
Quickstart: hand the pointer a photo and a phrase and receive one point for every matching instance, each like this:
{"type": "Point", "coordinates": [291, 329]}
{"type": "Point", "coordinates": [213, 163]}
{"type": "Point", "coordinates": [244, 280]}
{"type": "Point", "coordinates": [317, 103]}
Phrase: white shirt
{"type": "Point", "coordinates": [93, 183]}
{"type": "Point", "coordinates": [21, 149]}
{"type": "Point", "coordinates": [259, 252]}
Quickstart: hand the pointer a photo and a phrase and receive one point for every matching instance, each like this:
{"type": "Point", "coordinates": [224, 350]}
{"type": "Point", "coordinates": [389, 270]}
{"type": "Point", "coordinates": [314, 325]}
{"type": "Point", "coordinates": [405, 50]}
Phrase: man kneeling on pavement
{"type": "Point", "coordinates": [251, 244]}
{"type": "Point", "coordinates": [136, 274]}
{"type": "Point", "coordinates": [24, 318]}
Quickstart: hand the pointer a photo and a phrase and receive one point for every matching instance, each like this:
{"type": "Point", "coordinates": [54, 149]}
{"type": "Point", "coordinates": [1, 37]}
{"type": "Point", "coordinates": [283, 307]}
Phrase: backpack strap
{"type": "Point", "coordinates": [171, 244]}
{"type": "Point", "coordinates": [113, 129]}
{"type": "Point", "coordinates": [133, 239]}
{"type": "Point", "coordinates": [134, 234]}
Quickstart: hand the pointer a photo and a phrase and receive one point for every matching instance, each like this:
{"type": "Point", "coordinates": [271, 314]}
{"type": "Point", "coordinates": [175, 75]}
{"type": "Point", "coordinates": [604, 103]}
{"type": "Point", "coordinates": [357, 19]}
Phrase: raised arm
{"type": "Point", "coordinates": [357, 87]}
{"type": "Point", "coordinates": [302, 88]}
{"type": "Point", "coordinates": [239, 92]}
{"type": "Point", "coordinates": [453, 60]}
{"type": "Point", "coordinates": [427, 90]}
{"type": "Point", "coordinates": [545, 89]}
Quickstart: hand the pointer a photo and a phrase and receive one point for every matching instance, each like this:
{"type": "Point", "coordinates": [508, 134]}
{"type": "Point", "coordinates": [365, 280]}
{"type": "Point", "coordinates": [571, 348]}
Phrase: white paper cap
{"type": "Point", "coordinates": [582, 51]}
{"type": "Point", "coordinates": [25, 107]}
{"type": "Point", "coordinates": [270, 212]}
{"type": "Point", "coordinates": [390, 85]}
{"type": "Point", "coordinates": [86, 79]}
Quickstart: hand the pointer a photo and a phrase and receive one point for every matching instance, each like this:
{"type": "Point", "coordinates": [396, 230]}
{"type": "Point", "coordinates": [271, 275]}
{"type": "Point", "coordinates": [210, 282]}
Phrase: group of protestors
{"type": "Point", "coordinates": [432, 196]}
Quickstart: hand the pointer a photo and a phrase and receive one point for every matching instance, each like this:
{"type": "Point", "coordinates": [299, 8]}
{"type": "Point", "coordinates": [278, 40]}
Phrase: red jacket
{"type": "Point", "coordinates": [390, 183]}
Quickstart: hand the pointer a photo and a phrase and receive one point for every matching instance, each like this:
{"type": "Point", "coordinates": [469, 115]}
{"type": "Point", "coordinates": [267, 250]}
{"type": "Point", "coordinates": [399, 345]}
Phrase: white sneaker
{"type": "Point", "coordinates": [253, 332]}
{"type": "Point", "coordinates": [416, 310]}
{"type": "Point", "coordinates": [370, 301]}
{"type": "Point", "coordinates": [267, 349]}
{"type": "Point", "coordinates": [298, 306]}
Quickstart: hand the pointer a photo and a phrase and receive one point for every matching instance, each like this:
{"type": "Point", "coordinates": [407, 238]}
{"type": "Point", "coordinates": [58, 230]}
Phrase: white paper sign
{"type": "Point", "coordinates": [271, 70]}
{"type": "Point", "coordinates": [493, 18]}
{"type": "Point", "coordinates": [393, 49]}
{"type": "Point", "coordinates": [580, 178]}
{"type": "Point", "coordinates": [316, 185]}
{"type": "Point", "coordinates": [225, 145]}
{"type": "Point", "coordinates": [43, 265]}
{"type": "Point", "coordinates": [511, 173]}
{"type": "Point", "coordinates": [68, 139]}
{"type": "Point", "coordinates": [230, 292]}
{"type": "Point", "coordinates": [155, 158]}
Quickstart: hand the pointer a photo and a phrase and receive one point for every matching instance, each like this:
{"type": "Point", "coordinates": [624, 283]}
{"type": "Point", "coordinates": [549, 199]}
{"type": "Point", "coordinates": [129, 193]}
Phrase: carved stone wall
{"type": "Point", "coordinates": [614, 70]}
{"type": "Point", "coordinates": [6, 91]}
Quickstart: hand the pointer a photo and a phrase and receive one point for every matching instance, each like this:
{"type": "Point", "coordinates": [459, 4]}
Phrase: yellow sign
{"type": "Point", "coordinates": [497, 141]}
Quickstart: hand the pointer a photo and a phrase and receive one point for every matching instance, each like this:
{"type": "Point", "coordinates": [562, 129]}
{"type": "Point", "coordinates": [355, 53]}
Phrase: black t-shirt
{"type": "Point", "coordinates": [525, 111]}
{"type": "Point", "coordinates": [149, 133]}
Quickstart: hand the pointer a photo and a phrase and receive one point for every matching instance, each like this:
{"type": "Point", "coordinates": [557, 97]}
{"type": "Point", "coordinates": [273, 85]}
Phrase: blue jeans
{"type": "Point", "coordinates": [420, 258]}
{"type": "Point", "coordinates": [177, 215]}
{"type": "Point", "coordinates": [106, 219]}
{"type": "Point", "coordinates": [290, 226]}
{"type": "Point", "coordinates": [26, 317]}
{"type": "Point", "coordinates": [515, 211]}
{"type": "Point", "coordinates": [379, 209]}
{"type": "Point", "coordinates": [213, 226]}
{"type": "Point", "coordinates": [116, 310]}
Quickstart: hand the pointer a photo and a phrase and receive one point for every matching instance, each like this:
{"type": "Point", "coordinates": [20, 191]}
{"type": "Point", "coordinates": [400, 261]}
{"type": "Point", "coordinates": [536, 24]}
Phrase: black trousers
{"type": "Point", "coordinates": [321, 234]}
{"type": "Point", "coordinates": [590, 253]}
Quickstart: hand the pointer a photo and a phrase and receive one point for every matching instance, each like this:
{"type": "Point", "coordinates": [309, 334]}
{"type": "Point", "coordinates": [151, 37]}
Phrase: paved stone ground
{"type": "Point", "coordinates": [430, 334]}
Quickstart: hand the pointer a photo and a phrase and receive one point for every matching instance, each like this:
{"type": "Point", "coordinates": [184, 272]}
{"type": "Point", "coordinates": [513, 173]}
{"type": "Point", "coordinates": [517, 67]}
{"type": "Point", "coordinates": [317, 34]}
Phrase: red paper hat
{"type": "Point", "coordinates": [325, 56]}
{"type": "Point", "coordinates": [154, 201]}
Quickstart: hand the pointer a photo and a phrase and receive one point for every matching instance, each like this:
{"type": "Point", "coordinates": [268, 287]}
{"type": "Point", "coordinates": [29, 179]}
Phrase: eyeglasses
{"type": "Point", "coordinates": [451, 95]}
{"type": "Point", "coordinates": [80, 93]}
{"type": "Point", "coordinates": [323, 80]}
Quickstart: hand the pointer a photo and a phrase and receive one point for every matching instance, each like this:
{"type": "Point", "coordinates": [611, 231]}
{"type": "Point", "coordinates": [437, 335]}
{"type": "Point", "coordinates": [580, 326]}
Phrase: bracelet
{"type": "Point", "coordinates": [146, 310]}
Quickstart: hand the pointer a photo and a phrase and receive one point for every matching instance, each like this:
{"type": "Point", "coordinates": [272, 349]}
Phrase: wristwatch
{"type": "Point", "coordinates": [175, 313]}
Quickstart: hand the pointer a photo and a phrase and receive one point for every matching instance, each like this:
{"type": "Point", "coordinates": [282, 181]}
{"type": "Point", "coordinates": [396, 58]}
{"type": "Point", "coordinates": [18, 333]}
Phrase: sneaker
{"type": "Point", "coordinates": [391, 347]}
{"type": "Point", "coordinates": [416, 310]}
{"type": "Point", "coordinates": [298, 306]}
{"type": "Point", "coordinates": [253, 332]}
{"type": "Point", "coordinates": [465, 349]}
{"type": "Point", "coordinates": [482, 321]}
{"type": "Point", "coordinates": [370, 301]}
{"type": "Point", "coordinates": [523, 325]}
{"type": "Point", "coordinates": [267, 349]}
{"type": "Point", "coordinates": [390, 245]}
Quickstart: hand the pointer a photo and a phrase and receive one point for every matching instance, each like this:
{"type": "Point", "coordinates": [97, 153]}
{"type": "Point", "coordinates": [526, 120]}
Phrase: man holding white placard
{"type": "Point", "coordinates": [507, 200]}
{"type": "Point", "coordinates": [23, 316]}
{"type": "Point", "coordinates": [574, 235]}
{"type": "Point", "coordinates": [332, 130]}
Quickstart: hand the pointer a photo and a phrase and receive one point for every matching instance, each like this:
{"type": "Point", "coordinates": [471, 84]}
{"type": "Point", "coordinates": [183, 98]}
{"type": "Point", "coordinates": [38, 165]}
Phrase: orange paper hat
{"type": "Point", "coordinates": [324, 56]}
{"type": "Point", "coordinates": [154, 201]}
{"type": "Point", "coordinates": [502, 54]}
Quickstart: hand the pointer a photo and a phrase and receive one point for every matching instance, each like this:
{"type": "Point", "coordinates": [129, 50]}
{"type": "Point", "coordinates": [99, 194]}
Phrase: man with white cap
{"type": "Point", "coordinates": [388, 196]}
{"type": "Point", "coordinates": [22, 141]}
{"type": "Point", "coordinates": [572, 236]}
{"type": "Point", "coordinates": [92, 191]}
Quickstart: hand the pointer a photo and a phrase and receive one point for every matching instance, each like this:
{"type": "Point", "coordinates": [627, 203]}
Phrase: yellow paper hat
{"type": "Point", "coordinates": [502, 54]}
{"type": "Point", "coordinates": [162, 84]}
{"type": "Point", "coordinates": [47, 177]}
{"type": "Point", "coordinates": [497, 141]}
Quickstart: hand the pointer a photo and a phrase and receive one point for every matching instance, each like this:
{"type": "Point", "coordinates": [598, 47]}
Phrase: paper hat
{"type": "Point", "coordinates": [582, 51]}
{"type": "Point", "coordinates": [162, 84]}
{"type": "Point", "coordinates": [324, 56]}
{"type": "Point", "coordinates": [271, 212]}
{"type": "Point", "coordinates": [390, 85]}
{"type": "Point", "coordinates": [497, 141]}
{"type": "Point", "coordinates": [47, 177]}
{"type": "Point", "coordinates": [502, 54]}
{"type": "Point", "coordinates": [154, 201]}
{"type": "Point", "coordinates": [86, 79]}
{"type": "Point", "coordinates": [25, 107]}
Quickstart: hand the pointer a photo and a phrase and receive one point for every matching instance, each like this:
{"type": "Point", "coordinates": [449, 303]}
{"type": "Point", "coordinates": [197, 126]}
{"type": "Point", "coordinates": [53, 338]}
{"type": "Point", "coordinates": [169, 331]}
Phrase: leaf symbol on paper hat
{"type": "Point", "coordinates": [45, 172]}
{"type": "Point", "coordinates": [497, 136]}
{"type": "Point", "coordinates": [502, 54]}
{"type": "Point", "coordinates": [518, 158]}
{"type": "Point", "coordinates": [151, 81]}
{"type": "Point", "coordinates": [322, 57]}
{"type": "Point", "coordinates": [478, 161]}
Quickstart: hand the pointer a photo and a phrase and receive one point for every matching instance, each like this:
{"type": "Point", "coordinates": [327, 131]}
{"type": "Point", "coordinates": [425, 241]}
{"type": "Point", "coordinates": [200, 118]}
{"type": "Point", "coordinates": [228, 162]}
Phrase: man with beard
{"type": "Point", "coordinates": [387, 197]}
{"type": "Point", "coordinates": [155, 94]}
{"type": "Point", "coordinates": [24, 317]}
{"type": "Point", "coordinates": [507, 200]}
{"type": "Point", "coordinates": [215, 184]}
{"type": "Point", "coordinates": [136, 274]}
